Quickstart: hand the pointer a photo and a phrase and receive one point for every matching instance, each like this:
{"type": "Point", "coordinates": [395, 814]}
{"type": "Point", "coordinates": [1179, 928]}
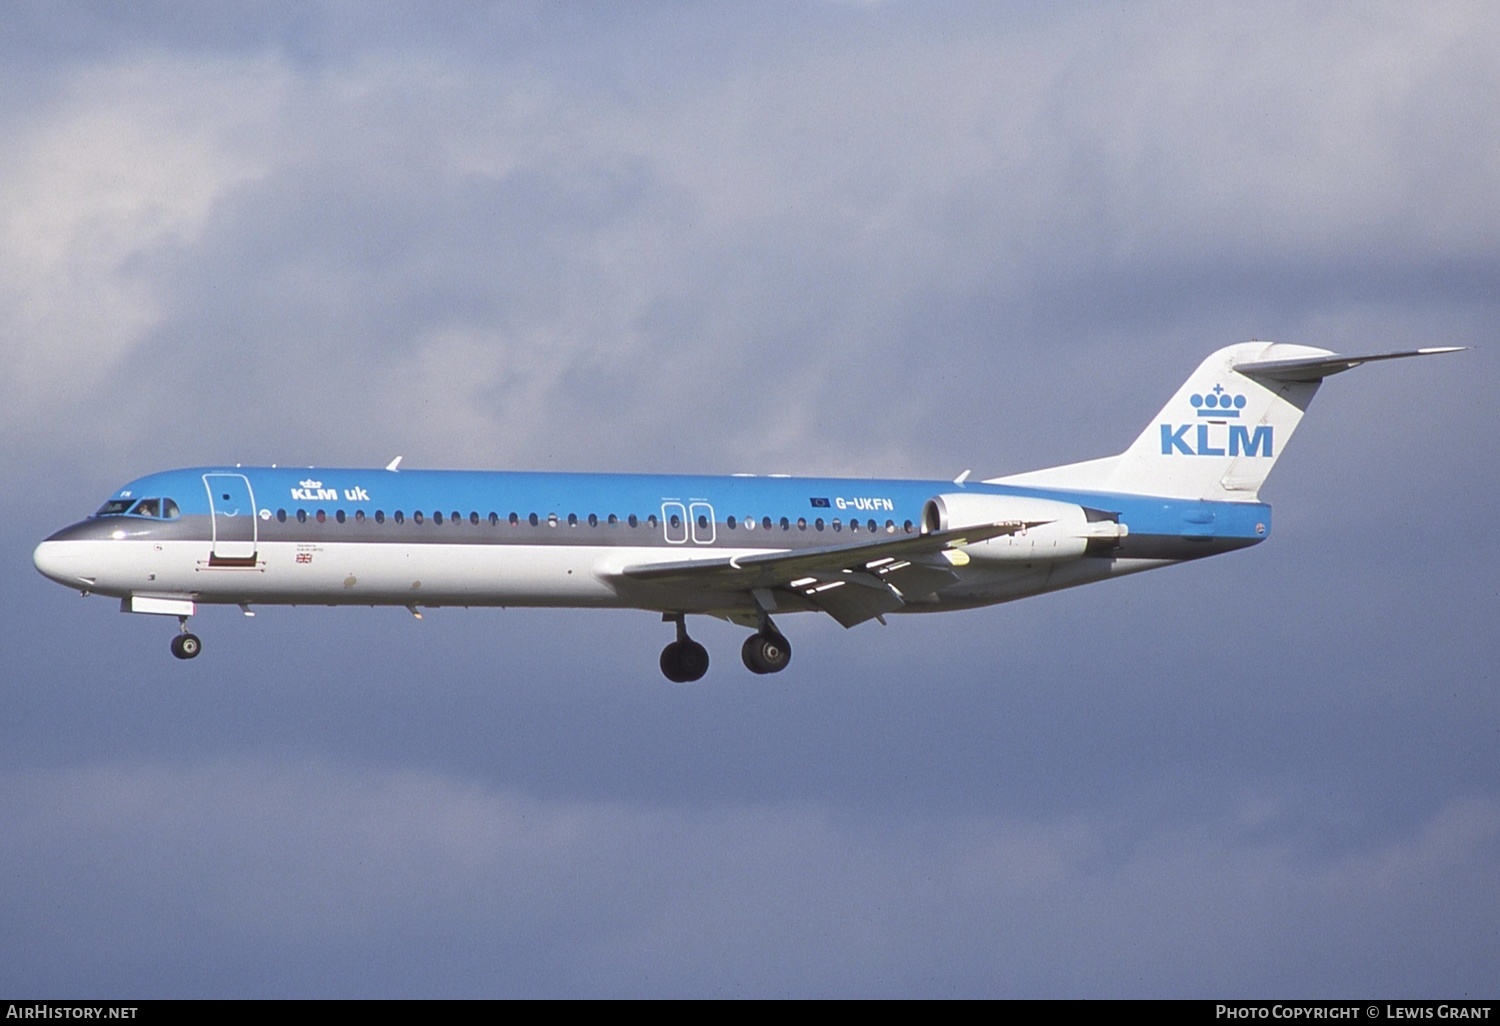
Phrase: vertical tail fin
{"type": "Point", "coordinates": [1223, 431]}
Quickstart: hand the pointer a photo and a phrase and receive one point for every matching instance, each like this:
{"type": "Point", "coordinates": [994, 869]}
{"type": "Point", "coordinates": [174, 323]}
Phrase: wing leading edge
{"type": "Point", "coordinates": [851, 583]}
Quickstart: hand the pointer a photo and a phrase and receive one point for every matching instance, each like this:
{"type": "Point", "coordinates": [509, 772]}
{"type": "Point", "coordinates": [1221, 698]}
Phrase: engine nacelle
{"type": "Point", "coordinates": [1055, 530]}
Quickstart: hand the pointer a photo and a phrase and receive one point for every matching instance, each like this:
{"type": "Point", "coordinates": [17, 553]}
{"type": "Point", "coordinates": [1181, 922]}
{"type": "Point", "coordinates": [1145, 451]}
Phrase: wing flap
{"type": "Point", "coordinates": [850, 604]}
{"type": "Point", "coordinates": [912, 579]}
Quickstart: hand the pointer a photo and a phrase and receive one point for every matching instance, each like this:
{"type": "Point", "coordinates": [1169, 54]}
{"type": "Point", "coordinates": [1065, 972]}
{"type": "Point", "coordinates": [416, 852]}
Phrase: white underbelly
{"type": "Point", "coordinates": [357, 573]}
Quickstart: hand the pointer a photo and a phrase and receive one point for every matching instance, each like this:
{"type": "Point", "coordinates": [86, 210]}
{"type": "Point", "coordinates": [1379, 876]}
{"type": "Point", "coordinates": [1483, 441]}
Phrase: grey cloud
{"type": "Point", "coordinates": [745, 238]}
{"type": "Point", "coordinates": [864, 239]}
{"type": "Point", "coordinates": [322, 869]}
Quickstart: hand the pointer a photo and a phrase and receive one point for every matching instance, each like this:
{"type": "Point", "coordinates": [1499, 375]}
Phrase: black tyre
{"type": "Point", "coordinates": [766, 653]}
{"type": "Point", "coordinates": [692, 661]}
{"type": "Point", "coordinates": [684, 661]}
{"type": "Point", "coordinates": [186, 646]}
{"type": "Point", "coordinates": [671, 663]}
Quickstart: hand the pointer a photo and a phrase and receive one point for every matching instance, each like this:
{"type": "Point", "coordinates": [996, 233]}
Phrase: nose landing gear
{"type": "Point", "coordinates": [186, 645]}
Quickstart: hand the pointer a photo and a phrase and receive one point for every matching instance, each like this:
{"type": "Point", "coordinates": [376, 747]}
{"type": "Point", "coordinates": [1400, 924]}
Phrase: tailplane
{"type": "Point", "coordinates": [1223, 431]}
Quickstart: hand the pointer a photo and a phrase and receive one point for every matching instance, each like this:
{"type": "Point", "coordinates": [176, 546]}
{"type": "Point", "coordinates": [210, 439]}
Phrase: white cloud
{"type": "Point", "coordinates": [126, 159]}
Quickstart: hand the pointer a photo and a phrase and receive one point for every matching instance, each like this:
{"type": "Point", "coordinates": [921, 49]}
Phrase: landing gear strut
{"type": "Point", "coordinates": [684, 660]}
{"type": "Point", "coordinates": [185, 645]}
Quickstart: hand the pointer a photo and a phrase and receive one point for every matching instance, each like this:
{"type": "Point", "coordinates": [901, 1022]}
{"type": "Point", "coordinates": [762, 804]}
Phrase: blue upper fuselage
{"type": "Point", "coordinates": [802, 511]}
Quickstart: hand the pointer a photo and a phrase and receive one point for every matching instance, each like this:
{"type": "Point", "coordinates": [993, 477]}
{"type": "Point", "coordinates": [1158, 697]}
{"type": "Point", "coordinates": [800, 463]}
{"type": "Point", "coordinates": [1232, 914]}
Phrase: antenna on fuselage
{"type": "Point", "coordinates": [391, 466]}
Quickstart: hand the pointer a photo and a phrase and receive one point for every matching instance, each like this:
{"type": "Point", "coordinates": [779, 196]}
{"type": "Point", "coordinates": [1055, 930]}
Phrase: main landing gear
{"type": "Point", "coordinates": [684, 660]}
{"type": "Point", "coordinates": [767, 651]}
{"type": "Point", "coordinates": [185, 645]}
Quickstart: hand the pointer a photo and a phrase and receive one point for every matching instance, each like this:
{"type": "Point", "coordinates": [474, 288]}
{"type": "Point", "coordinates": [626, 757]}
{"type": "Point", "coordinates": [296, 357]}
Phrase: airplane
{"type": "Point", "coordinates": [742, 548]}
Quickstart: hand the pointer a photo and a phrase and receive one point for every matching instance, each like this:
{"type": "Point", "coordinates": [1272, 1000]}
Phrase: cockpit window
{"type": "Point", "coordinates": [156, 508]}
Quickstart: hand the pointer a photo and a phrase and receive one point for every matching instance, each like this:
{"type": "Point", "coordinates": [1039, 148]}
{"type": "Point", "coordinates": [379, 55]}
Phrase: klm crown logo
{"type": "Point", "coordinates": [1213, 435]}
{"type": "Point", "coordinates": [1218, 403]}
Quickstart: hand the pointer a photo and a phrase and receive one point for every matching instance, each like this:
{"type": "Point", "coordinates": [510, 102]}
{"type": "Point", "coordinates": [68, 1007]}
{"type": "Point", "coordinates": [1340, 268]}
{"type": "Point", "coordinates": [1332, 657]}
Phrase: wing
{"type": "Point", "coordinates": [851, 583]}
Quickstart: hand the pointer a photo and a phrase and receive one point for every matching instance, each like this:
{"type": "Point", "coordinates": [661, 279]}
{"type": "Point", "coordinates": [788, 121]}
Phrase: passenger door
{"type": "Point", "coordinates": [234, 524]}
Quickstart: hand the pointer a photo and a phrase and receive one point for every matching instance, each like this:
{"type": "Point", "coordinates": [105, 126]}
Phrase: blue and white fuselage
{"type": "Point", "coordinates": [744, 548]}
{"type": "Point", "coordinates": [437, 538]}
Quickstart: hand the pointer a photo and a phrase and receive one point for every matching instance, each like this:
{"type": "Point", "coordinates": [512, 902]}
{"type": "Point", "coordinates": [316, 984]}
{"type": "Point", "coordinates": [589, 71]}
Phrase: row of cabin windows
{"type": "Point", "coordinates": [594, 520]}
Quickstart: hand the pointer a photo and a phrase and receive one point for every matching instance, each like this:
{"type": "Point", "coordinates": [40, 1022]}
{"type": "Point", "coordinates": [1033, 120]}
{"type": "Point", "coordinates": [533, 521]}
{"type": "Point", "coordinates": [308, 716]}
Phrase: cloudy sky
{"type": "Point", "coordinates": [838, 238]}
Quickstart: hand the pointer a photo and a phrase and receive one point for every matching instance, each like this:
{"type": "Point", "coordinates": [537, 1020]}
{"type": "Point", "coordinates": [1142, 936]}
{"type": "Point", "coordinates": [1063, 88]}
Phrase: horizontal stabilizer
{"type": "Point", "coordinates": [1317, 368]}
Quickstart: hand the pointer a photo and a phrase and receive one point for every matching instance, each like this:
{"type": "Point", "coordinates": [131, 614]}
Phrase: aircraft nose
{"type": "Point", "coordinates": [62, 561]}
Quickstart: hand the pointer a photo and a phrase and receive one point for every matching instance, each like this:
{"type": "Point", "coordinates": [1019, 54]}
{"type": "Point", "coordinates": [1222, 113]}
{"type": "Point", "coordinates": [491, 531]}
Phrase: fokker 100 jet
{"type": "Point", "coordinates": [742, 548]}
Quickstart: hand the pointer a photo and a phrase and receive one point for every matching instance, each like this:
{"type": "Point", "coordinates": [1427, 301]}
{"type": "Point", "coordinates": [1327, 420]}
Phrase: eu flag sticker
{"type": "Point", "coordinates": [820, 503]}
